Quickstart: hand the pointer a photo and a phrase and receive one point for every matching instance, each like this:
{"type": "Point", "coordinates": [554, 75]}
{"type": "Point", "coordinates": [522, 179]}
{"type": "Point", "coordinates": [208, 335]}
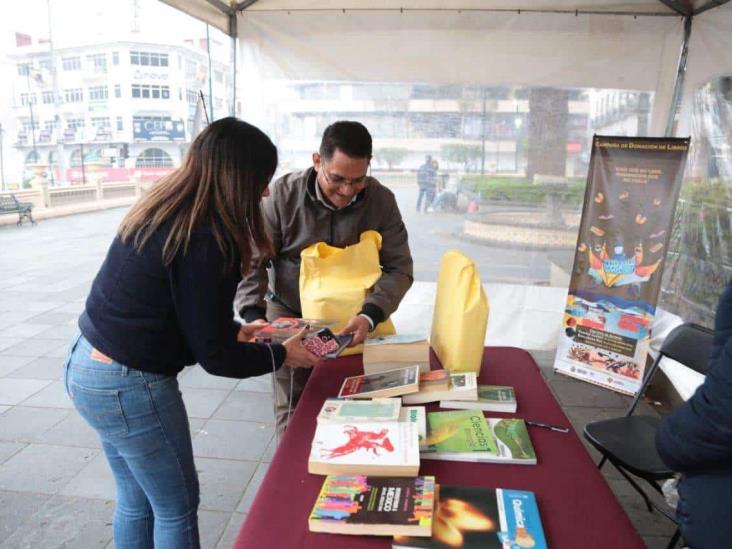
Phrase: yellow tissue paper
{"type": "Point", "coordinates": [334, 282]}
{"type": "Point", "coordinates": [461, 315]}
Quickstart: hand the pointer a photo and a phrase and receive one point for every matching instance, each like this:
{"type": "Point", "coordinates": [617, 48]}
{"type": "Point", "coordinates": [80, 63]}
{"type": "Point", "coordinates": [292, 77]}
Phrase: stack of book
{"type": "Point", "coordinates": [438, 385]}
{"type": "Point", "coordinates": [369, 443]}
{"type": "Point", "coordinates": [377, 437]}
{"type": "Point", "coordinates": [395, 351]}
{"type": "Point", "coordinates": [421, 514]}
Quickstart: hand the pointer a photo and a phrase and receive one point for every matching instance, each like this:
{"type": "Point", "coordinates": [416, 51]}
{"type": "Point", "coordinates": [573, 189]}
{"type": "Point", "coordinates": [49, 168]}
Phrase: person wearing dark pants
{"type": "Point", "coordinates": [334, 201]}
{"type": "Point", "coordinates": [427, 183]}
{"type": "Point", "coordinates": [162, 300]}
{"type": "Point", "coordinates": [696, 441]}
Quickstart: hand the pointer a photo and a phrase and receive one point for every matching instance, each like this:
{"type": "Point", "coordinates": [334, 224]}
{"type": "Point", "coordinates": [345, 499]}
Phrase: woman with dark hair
{"type": "Point", "coordinates": [163, 299]}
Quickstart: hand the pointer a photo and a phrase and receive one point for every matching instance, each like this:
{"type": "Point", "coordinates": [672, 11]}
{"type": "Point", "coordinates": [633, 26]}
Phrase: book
{"type": "Point", "coordinates": [463, 386]}
{"type": "Point", "coordinates": [434, 380]}
{"type": "Point", "coordinates": [486, 518]}
{"type": "Point", "coordinates": [389, 383]}
{"type": "Point", "coordinates": [389, 352]}
{"type": "Point", "coordinates": [284, 328]}
{"type": "Point", "coordinates": [465, 435]}
{"type": "Point", "coordinates": [418, 416]}
{"type": "Point", "coordinates": [354, 411]}
{"type": "Point", "coordinates": [326, 344]}
{"type": "Point", "coordinates": [365, 505]}
{"type": "Point", "coordinates": [491, 398]}
{"type": "Point", "coordinates": [374, 448]}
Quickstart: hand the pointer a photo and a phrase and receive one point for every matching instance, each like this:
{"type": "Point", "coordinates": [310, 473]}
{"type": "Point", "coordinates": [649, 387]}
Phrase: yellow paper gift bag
{"type": "Point", "coordinates": [335, 281]}
{"type": "Point", "coordinates": [461, 315]}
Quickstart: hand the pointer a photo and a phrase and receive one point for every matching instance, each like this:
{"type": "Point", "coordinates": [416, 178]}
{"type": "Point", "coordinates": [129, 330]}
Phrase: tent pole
{"type": "Point", "coordinates": [680, 73]}
{"type": "Point", "coordinates": [233, 34]}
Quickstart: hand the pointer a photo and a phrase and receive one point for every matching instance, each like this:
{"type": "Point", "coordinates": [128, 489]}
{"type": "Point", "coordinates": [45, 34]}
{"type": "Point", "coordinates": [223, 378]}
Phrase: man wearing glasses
{"type": "Point", "coordinates": [334, 201]}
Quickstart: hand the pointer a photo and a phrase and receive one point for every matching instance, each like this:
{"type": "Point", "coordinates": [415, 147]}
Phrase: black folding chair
{"type": "Point", "coordinates": [628, 442]}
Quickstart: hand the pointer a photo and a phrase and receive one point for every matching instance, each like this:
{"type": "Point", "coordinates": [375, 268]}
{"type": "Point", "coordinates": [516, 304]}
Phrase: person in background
{"type": "Point", "coordinates": [333, 201]}
{"type": "Point", "coordinates": [426, 181]}
{"type": "Point", "coordinates": [696, 441]}
{"type": "Point", "coordinates": [163, 300]}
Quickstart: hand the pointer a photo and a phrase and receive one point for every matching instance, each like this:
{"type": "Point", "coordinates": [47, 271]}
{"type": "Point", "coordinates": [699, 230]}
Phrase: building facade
{"type": "Point", "coordinates": [123, 109]}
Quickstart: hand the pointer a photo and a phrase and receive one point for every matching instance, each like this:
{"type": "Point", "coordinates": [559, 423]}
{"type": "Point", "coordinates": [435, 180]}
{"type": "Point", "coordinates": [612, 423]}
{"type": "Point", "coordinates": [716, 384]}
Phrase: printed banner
{"type": "Point", "coordinates": [632, 189]}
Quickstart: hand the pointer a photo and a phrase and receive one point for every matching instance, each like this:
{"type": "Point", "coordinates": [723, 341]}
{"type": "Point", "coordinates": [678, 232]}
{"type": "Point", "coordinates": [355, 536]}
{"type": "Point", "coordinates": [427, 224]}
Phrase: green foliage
{"type": "Point", "coordinates": [393, 156]}
{"type": "Point", "coordinates": [461, 154]}
{"type": "Point", "coordinates": [513, 189]}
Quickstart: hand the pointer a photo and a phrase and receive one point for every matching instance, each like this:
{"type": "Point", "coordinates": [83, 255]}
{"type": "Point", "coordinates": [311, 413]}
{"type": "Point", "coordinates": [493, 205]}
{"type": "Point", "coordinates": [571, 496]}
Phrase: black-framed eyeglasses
{"type": "Point", "coordinates": [337, 181]}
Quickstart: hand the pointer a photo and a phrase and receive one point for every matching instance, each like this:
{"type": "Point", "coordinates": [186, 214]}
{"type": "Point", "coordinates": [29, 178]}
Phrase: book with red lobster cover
{"type": "Point", "coordinates": [382, 448]}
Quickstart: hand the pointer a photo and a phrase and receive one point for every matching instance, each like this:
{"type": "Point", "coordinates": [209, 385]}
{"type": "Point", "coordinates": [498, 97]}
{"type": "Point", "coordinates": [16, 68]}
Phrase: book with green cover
{"type": "Point", "coordinates": [510, 439]}
{"type": "Point", "coordinates": [491, 398]}
{"type": "Point", "coordinates": [459, 431]}
{"type": "Point", "coordinates": [365, 505]}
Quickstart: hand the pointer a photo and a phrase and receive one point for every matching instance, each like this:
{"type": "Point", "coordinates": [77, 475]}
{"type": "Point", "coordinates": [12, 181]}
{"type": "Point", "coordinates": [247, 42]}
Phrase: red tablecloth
{"type": "Point", "coordinates": [577, 507]}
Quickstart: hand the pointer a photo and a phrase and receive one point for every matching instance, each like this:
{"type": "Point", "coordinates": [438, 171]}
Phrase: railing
{"type": "Point", "coordinates": [55, 197]}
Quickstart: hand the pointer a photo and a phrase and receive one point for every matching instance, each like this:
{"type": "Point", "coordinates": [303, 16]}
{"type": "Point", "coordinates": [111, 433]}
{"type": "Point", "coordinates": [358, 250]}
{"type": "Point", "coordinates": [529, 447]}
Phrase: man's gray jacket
{"type": "Point", "coordinates": [296, 219]}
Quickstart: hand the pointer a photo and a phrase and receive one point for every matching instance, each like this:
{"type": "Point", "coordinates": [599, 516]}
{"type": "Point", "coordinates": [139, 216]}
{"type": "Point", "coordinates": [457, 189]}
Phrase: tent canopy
{"type": "Point", "coordinates": [217, 12]}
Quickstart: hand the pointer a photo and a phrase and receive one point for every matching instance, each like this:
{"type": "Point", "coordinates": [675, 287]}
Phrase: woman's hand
{"type": "Point", "coordinates": [247, 331]}
{"type": "Point", "coordinates": [297, 355]}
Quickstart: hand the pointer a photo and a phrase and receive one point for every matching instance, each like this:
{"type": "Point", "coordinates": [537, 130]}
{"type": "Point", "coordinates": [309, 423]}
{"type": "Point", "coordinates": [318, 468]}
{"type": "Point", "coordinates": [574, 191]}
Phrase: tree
{"type": "Point", "coordinates": [393, 156]}
{"type": "Point", "coordinates": [460, 153]}
{"type": "Point", "coordinates": [548, 132]}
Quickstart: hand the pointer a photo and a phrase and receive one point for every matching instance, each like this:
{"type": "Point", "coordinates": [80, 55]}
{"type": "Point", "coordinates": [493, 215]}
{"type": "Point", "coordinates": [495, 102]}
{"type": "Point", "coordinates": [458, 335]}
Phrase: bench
{"type": "Point", "coordinates": [10, 204]}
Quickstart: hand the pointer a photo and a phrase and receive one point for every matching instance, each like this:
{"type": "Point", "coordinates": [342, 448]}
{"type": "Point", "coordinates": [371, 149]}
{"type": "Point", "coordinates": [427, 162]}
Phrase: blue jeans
{"type": "Point", "coordinates": [142, 423]}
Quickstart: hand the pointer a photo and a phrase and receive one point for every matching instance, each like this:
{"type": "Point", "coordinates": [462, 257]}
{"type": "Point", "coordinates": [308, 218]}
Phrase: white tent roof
{"type": "Point", "coordinates": [216, 12]}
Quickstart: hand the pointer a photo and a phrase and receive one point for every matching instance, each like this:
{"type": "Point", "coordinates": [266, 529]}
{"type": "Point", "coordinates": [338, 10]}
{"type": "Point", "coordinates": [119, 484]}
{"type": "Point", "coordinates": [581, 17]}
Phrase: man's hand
{"type": "Point", "coordinates": [247, 331]}
{"type": "Point", "coordinates": [359, 327]}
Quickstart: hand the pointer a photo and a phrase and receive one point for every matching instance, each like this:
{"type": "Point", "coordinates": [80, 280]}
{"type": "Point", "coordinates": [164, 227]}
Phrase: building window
{"type": "Point", "coordinates": [49, 125]}
{"type": "Point", "coordinates": [117, 91]}
{"type": "Point", "coordinates": [191, 97]}
{"type": "Point", "coordinates": [73, 95]}
{"type": "Point", "coordinates": [150, 91]}
{"type": "Point", "coordinates": [101, 122]}
{"type": "Point", "coordinates": [191, 67]}
{"type": "Point", "coordinates": [120, 124]}
{"type": "Point", "coordinates": [47, 97]}
{"type": "Point", "coordinates": [45, 65]}
{"type": "Point", "coordinates": [115, 58]}
{"type": "Point", "coordinates": [27, 125]}
{"type": "Point", "coordinates": [71, 63]}
{"type": "Point", "coordinates": [153, 158]}
{"type": "Point", "coordinates": [24, 69]}
{"type": "Point", "coordinates": [74, 123]}
{"type": "Point", "coordinates": [150, 59]}
{"type": "Point", "coordinates": [98, 62]}
{"type": "Point", "coordinates": [27, 99]}
{"type": "Point", "coordinates": [98, 93]}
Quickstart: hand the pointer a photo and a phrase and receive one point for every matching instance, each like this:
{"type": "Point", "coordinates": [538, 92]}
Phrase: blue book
{"type": "Point", "coordinates": [520, 521]}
